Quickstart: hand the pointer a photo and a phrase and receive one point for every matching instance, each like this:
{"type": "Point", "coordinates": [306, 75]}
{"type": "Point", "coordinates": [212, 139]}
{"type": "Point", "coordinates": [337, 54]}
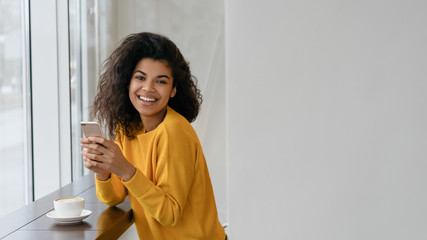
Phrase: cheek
{"type": "Point", "coordinates": [131, 88]}
{"type": "Point", "coordinates": [131, 94]}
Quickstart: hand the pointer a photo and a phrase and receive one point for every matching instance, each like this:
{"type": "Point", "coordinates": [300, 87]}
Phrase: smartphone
{"type": "Point", "coordinates": [91, 129]}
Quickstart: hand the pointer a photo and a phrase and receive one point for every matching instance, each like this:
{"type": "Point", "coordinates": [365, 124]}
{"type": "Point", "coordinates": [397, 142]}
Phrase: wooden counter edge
{"type": "Point", "coordinates": [118, 228]}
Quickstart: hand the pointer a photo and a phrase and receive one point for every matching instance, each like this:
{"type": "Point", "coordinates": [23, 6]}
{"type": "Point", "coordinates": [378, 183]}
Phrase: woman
{"type": "Point", "coordinates": [147, 98]}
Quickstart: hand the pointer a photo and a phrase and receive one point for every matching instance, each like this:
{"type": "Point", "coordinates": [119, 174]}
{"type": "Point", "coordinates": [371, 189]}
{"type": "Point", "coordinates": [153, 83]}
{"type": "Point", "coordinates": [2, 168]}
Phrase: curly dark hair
{"type": "Point", "coordinates": [112, 106]}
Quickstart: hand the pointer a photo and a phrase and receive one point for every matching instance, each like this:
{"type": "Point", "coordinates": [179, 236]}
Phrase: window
{"type": "Point", "coordinates": [84, 69]}
{"type": "Point", "coordinates": [15, 108]}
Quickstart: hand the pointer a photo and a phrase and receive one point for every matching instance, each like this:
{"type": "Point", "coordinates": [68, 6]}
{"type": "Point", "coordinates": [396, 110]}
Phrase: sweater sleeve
{"type": "Point", "coordinates": [111, 191]}
{"type": "Point", "coordinates": [164, 198]}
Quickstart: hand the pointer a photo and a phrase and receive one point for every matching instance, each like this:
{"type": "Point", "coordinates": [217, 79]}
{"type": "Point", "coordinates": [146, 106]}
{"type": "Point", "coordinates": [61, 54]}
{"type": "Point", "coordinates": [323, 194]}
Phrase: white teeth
{"type": "Point", "coordinates": [147, 99]}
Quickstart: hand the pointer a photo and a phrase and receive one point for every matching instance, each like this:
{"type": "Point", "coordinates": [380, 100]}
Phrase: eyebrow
{"type": "Point", "coordinates": [160, 76]}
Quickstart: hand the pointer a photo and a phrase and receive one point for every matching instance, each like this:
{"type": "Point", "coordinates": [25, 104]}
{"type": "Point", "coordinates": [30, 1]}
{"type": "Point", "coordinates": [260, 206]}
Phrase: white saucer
{"type": "Point", "coordinates": [52, 215]}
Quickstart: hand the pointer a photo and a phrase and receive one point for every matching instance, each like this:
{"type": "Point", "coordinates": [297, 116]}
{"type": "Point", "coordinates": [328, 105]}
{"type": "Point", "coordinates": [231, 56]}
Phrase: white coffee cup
{"type": "Point", "coordinates": [69, 207]}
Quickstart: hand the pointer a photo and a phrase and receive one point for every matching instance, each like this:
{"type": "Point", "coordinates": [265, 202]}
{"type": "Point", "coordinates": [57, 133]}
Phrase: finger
{"type": "Point", "coordinates": [96, 166]}
{"type": "Point", "coordinates": [96, 139]}
{"type": "Point", "coordinates": [93, 157]}
{"type": "Point", "coordinates": [93, 151]}
{"type": "Point", "coordinates": [92, 168]}
{"type": "Point", "coordinates": [112, 148]}
{"type": "Point", "coordinates": [96, 147]}
{"type": "Point", "coordinates": [103, 141]}
{"type": "Point", "coordinates": [85, 140]}
{"type": "Point", "coordinates": [87, 161]}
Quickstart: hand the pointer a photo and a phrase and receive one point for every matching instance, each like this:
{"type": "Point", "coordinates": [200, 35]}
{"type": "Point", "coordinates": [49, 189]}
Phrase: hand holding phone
{"type": "Point", "coordinates": [109, 157]}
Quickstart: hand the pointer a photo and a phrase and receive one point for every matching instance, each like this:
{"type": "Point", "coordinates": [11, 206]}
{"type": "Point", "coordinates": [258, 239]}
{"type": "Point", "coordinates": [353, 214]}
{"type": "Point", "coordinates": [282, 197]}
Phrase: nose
{"type": "Point", "coordinates": [148, 86]}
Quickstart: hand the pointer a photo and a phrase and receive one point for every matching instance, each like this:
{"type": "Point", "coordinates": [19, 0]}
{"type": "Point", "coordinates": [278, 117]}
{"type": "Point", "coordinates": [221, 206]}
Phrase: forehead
{"type": "Point", "coordinates": [153, 65]}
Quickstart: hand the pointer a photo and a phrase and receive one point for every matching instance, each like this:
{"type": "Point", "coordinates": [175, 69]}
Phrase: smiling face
{"type": "Point", "coordinates": [150, 89]}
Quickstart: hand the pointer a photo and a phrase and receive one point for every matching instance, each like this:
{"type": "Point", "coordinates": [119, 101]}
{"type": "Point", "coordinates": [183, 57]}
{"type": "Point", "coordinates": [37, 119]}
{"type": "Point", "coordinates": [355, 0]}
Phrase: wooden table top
{"type": "Point", "coordinates": [31, 222]}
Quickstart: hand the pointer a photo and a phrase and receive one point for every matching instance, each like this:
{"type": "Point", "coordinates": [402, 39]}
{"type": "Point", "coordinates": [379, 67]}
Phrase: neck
{"type": "Point", "coordinates": [151, 122]}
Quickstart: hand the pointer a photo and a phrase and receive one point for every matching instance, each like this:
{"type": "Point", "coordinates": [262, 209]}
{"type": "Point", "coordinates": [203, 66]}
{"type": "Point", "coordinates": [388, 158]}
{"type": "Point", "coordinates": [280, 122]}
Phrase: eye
{"type": "Point", "coordinates": [140, 77]}
{"type": "Point", "coordinates": [162, 81]}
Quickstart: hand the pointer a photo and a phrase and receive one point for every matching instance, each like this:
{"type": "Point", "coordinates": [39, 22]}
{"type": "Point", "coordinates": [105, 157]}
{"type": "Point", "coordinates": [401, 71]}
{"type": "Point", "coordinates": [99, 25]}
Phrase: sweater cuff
{"type": "Point", "coordinates": [100, 183]}
{"type": "Point", "coordinates": [138, 185]}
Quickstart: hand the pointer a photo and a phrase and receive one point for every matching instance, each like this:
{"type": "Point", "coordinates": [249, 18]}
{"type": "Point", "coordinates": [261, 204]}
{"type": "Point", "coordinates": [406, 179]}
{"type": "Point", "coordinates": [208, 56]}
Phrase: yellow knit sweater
{"type": "Point", "coordinates": [171, 192]}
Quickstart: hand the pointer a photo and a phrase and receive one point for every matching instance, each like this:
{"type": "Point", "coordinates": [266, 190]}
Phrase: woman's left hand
{"type": "Point", "coordinates": [106, 154]}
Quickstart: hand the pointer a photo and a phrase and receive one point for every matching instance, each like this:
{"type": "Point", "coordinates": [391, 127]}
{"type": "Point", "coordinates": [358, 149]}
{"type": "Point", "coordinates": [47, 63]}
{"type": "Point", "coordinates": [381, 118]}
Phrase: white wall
{"type": "Point", "coordinates": [326, 107]}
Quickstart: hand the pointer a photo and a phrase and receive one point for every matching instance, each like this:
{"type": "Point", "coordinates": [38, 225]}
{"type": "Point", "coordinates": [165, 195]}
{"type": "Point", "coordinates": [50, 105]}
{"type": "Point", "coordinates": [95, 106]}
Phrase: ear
{"type": "Point", "coordinates": [173, 92]}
